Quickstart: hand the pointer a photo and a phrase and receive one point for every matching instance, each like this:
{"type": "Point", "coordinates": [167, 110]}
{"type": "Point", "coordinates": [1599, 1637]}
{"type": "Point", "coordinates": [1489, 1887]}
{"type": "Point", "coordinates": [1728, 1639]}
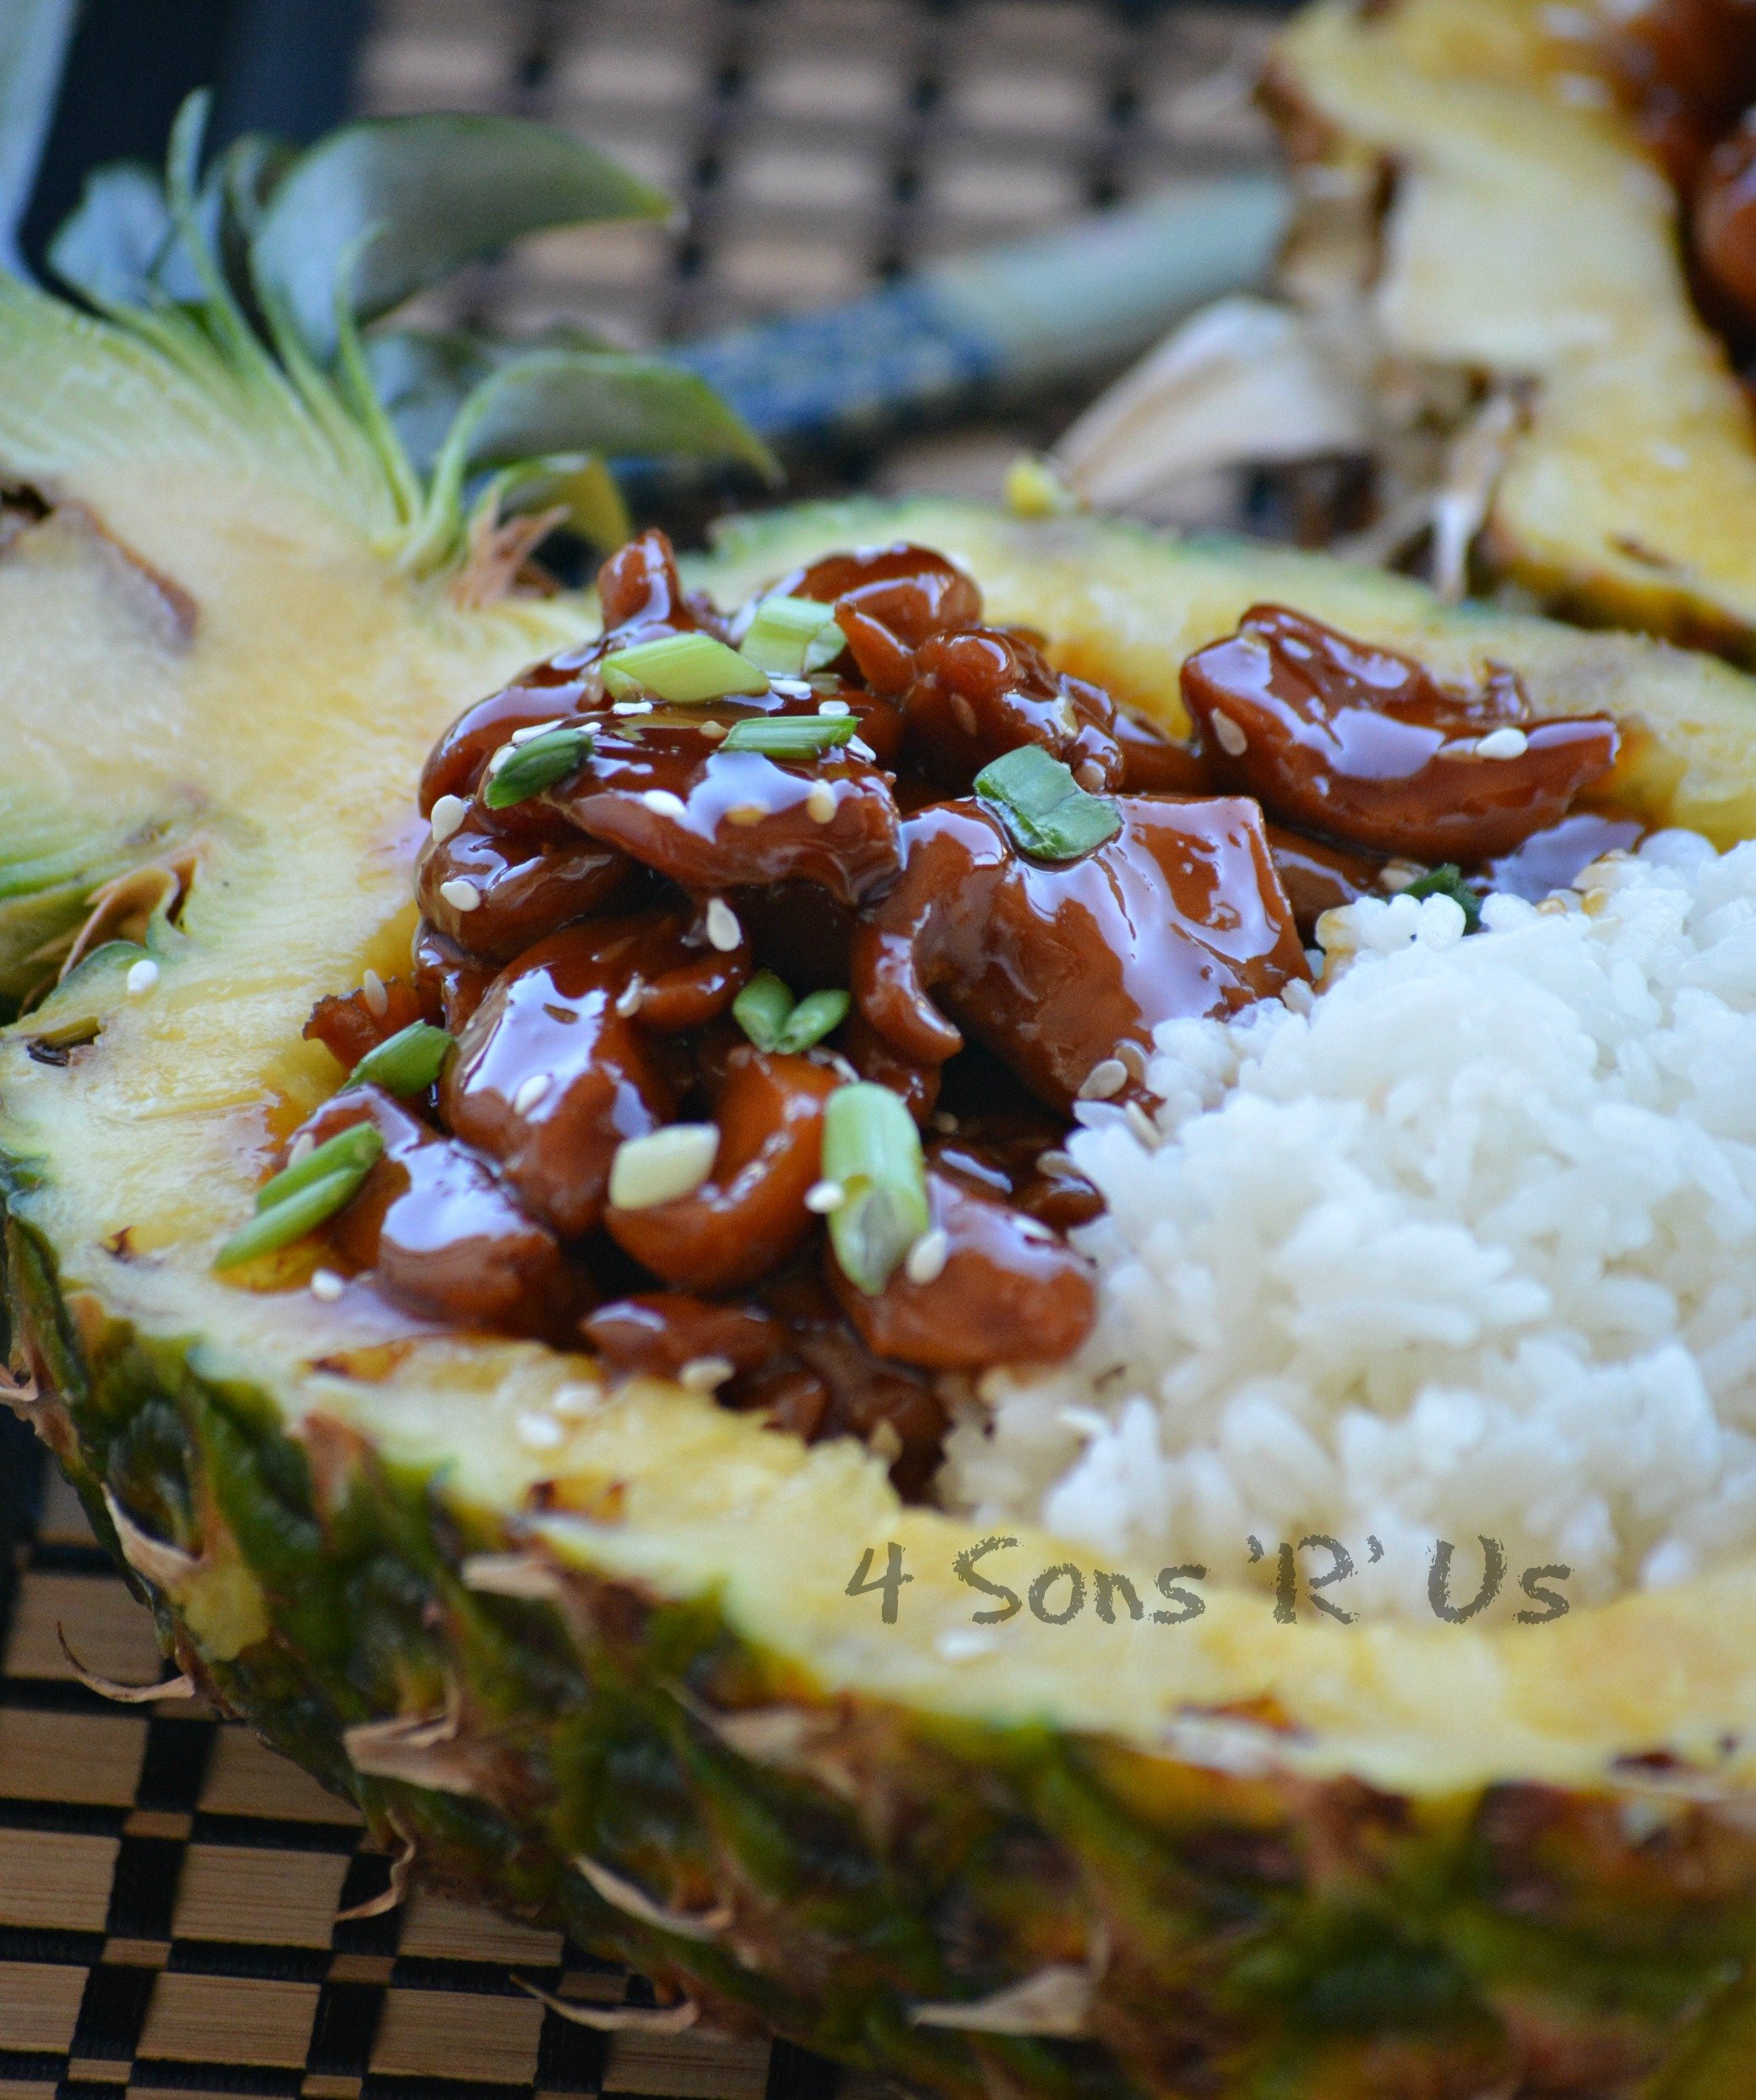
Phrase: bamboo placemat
{"type": "Point", "coordinates": [818, 146]}
{"type": "Point", "coordinates": [169, 1889]}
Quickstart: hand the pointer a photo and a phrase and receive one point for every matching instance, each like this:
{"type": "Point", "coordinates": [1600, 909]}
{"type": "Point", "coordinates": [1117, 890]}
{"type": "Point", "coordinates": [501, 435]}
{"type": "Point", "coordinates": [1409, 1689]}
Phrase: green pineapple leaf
{"type": "Point", "coordinates": [551, 402]}
{"type": "Point", "coordinates": [109, 247]}
{"type": "Point", "coordinates": [424, 376]}
{"type": "Point", "coordinates": [440, 190]}
{"type": "Point", "coordinates": [253, 280]}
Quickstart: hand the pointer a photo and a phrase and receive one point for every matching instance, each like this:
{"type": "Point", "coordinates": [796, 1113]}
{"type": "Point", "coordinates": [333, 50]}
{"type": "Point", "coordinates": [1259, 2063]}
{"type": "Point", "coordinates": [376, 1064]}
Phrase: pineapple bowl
{"type": "Point", "coordinates": [716, 1694]}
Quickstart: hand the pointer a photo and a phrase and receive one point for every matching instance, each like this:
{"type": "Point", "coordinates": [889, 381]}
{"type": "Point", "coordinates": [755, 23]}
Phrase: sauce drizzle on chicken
{"type": "Point", "coordinates": [902, 917]}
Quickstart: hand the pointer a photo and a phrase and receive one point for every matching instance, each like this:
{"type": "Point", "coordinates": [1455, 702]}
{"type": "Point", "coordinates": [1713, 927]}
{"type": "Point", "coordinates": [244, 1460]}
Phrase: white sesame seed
{"type": "Point", "coordinates": [378, 1000]}
{"type": "Point", "coordinates": [663, 803]}
{"type": "Point", "coordinates": [1395, 876]}
{"type": "Point", "coordinates": [142, 976]}
{"type": "Point", "coordinates": [1133, 1058]}
{"type": "Point", "coordinates": [820, 802]}
{"type": "Point", "coordinates": [701, 1374]}
{"type": "Point", "coordinates": [627, 1004]}
{"type": "Point", "coordinates": [573, 1402]}
{"type": "Point", "coordinates": [1504, 744]}
{"type": "Point", "coordinates": [447, 820]}
{"type": "Point", "coordinates": [530, 1092]}
{"type": "Point", "coordinates": [499, 758]}
{"type": "Point", "coordinates": [326, 1285]}
{"type": "Point", "coordinates": [945, 1123]}
{"type": "Point", "coordinates": [1054, 1162]}
{"type": "Point", "coordinates": [965, 715]}
{"type": "Point", "coordinates": [834, 709]}
{"type": "Point", "coordinates": [631, 707]}
{"type": "Point", "coordinates": [711, 730]}
{"type": "Point", "coordinates": [460, 895]}
{"type": "Point", "coordinates": [862, 749]}
{"type": "Point", "coordinates": [1090, 777]}
{"type": "Point", "coordinates": [723, 930]}
{"type": "Point", "coordinates": [1231, 738]}
{"type": "Point", "coordinates": [532, 731]}
{"type": "Point", "coordinates": [745, 814]}
{"type": "Point", "coordinates": [1106, 1078]}
{"type": "Point", "coordinates": [825, 1196]}
{"type": "Point", "coordinates": [925, 1261]}
{"type": "Point", "coordinates": [790, 689]}
{"type": "Point", "coordinates": [301, 1148]}
{"type": "Point", "coordinates": [670, 1163]}
{"type": "Point", "coordinates": [1143, 1126]}
{"type": "Point", "coordinates": [539, 1433]}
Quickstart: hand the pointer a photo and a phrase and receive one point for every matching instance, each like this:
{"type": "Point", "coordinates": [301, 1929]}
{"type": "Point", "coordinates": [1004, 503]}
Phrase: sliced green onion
{"type": "Point", "coordinates": [812, 1020]}
{"type": "Point", "coordinates": [350, 1149]}
{"type": "Point", "coordinates": [762, 1008]}
{"type": "Point", "coordinates": [789, 637]}
{"type": "Point", "coordinates": [1447, 881]}
{"type": "Point", "coordinates": [681, 669]}
{"type": "Point", "coordinates": [409, 1061]}
{"type": "Point", "coordinates": [791, 736]}
{"type": "Point", "coordinates": [871, 1151]}
{"type": "Point", "coordinates": [538, 764]}
{"type": "Point", "coordinates": [291, 1218]}
{"type": "Point", "coordinates": [1044, 810]}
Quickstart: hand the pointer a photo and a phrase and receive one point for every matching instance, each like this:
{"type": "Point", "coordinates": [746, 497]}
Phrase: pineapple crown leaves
{"type": "Point", "coordinates": [255, 281]}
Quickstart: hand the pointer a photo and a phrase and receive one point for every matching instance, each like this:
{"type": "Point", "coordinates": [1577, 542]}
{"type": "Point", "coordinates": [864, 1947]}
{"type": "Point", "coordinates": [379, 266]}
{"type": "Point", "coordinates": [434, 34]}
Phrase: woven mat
{"type": "Point", "coordinates": [818, 146]}
{"type": "Point", "coordinates": [169, 1888]}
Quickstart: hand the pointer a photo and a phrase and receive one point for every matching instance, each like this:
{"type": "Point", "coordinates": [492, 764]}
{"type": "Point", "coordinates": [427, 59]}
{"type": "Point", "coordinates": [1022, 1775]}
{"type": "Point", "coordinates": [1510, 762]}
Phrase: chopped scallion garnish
{"type": "Point", "coordinates": [292, 1218]}
{"type": "Point", "coordinates": [409, 1061]}
{"type": "Point", "coordinates": [1044, 810]}
{"type": "Point", "coordinates": [681, 669]}
{"type": "Point", "coordinates": [789, 637]}
{"type": "Point", "coordinates": [1447, 881]}
{"type": "Point", "coordinates": [540, 763]}
{"type": "Point", "coordinates": [791, 736]}
{"type": "Point", "coordinates": [871, 1151]}
{"type": "Point", "coordinates": [812, 1020]}
{"type": "Point", "coordinates": [761, 1010]}
{"type": "Point", "coordinates": [765, 1010]}
{"type": "Point", "coordinates": [354, 1148]}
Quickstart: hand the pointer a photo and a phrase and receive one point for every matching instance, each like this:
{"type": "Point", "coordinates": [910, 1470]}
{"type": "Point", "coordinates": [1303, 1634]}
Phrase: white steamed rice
{"type": "Point", "coordinates": [1467, 1246]}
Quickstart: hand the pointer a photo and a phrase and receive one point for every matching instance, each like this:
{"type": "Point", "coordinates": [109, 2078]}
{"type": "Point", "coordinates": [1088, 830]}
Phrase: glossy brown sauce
{"type": "Point", "coordinates": [589, 970]}
{"type": "Point", "coordinates": [1366, 747]}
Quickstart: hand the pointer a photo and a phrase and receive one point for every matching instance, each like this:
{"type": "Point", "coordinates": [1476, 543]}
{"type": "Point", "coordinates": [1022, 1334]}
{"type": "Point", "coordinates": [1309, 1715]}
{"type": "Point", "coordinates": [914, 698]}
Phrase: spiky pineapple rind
{"type": "Point", "coordinates": [1246, 1934]}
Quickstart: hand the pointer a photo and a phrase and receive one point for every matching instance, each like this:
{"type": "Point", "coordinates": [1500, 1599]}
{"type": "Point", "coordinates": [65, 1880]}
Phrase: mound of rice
{"type": "Point", "coordinates": [1466, 1244]}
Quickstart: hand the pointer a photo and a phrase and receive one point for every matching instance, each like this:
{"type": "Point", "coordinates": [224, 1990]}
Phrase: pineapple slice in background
{"type": "Point", "coordinates": [1485, 296]}
{"type": "Point", "coordinates": [611, 1662]}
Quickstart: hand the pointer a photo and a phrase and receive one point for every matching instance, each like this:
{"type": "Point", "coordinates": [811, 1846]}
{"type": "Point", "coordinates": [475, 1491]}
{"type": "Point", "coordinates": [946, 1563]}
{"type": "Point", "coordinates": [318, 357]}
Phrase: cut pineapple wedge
{"type": "Point", "coordinates": [606, 1659]}
{"type": "Point", "coordinates": [1531, 242]}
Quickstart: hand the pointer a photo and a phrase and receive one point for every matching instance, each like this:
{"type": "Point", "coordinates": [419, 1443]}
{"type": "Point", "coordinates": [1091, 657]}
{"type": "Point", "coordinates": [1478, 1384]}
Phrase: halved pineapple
{"type": "Point", "coordinates": [714, 1699]}
{"type": "Point", "coordinates": [1528, 246]}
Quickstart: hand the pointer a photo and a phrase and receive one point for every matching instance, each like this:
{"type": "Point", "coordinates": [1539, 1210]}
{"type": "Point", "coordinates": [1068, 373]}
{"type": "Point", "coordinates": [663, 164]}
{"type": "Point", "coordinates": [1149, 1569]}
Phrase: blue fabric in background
{"type": "Point", "coordinates": [844, 369]}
